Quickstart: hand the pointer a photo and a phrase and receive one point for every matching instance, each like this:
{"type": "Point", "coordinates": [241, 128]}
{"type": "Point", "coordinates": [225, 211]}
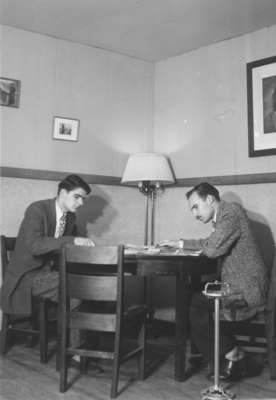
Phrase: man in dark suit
{"type": "Point", "coordinates": [46, 226]}
{"type": "Point", "coordinates": [241, 265]}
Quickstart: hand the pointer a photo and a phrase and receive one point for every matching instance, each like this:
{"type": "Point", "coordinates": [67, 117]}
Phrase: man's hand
{"type": "Point", "coordinates": [82, 241]}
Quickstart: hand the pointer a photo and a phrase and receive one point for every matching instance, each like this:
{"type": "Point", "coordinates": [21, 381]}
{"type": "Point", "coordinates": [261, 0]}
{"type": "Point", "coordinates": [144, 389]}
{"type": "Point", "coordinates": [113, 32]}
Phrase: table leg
{"type": "Point", "coordinates": [181, 324]}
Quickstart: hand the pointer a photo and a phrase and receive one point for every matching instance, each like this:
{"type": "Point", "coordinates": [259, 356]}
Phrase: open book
{"type": "Point", "coordinates": [140, 249]}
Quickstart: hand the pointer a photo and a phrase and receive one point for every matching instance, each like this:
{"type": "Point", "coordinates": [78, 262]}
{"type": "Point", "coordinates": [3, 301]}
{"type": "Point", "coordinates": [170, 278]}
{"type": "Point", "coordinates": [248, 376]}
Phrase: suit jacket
{"type": "Point", "coordinates": [241, 263]}
{"type": "Point", "coordinates": [34, 248]}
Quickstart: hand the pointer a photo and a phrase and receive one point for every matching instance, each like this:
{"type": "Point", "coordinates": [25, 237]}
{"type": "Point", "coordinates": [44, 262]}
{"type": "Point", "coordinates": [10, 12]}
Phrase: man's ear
{"type": "Point", "coordinates": [209, 199]}
{"type": "Point", "coordinates": [62, 192]}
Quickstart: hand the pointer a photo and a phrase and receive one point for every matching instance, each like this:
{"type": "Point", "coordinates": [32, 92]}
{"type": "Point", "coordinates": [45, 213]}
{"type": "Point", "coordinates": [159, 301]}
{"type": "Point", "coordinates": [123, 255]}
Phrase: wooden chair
{"type": "Point", "coordinates": [258, 335]}
{"type": "Point", "coordinates": [31, 326]}
{"type": "Point", "coordinates": [101, 309]}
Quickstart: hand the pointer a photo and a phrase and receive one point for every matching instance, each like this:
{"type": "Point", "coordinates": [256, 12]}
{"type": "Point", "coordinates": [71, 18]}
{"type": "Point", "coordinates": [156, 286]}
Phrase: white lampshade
{"type": "Point", "coordinates": [151, 167]}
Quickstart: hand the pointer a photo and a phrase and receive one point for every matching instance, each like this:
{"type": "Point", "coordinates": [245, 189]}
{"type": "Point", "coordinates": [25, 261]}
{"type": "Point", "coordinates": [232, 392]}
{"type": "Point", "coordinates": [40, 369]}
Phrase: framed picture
{"type": "Point", "coordinates": [66, 129]}
{"type": "Point", "coordinates": [9, 92]}
{"type": "Point", "coordinates": [261, 101]}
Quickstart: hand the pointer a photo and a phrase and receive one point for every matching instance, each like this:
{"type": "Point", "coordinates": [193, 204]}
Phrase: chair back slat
{"type": "Point", "coordinates": [97, 288]}
{"type": "Point", "coordinates": [99, 255]}
{"type": "Point", "coordinates": [95, 322]}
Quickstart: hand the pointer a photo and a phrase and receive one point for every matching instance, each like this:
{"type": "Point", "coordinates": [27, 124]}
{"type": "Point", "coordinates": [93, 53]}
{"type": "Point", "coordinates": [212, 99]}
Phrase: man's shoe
{"type": "Point", "coordinates": [247, 367]}
{"type": "Point", "coordinates": [235, 370]}
{"type": "Point", "coordinates": [230, 371]}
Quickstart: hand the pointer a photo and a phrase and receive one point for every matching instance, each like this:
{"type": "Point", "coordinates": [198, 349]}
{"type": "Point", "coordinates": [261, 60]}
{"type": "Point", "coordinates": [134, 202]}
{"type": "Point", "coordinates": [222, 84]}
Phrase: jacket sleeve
{"type": "Point", "coordinates": [35, 233]}
{"type": "Point", "coordinates": [220, 241]}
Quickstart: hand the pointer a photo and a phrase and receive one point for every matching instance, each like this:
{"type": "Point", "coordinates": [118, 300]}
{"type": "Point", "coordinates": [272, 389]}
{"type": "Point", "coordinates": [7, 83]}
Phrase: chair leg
{"type": "Point", "coordinates": [62, 359]}
{"type": "Point", "coordinates": [83, 365]}
{"type": "Point", "coordinates": [58, 352]}
{"type": "Point", "coordinates": [63, 367]}
{"type": "Point", "coordinates": [43, 331]}
{"type": "Point", "coordinates": [4, 334]}
{"type": "Point", "coordinates": [270, 328]}
{"type": "Point", "coordinates": [142, 357]}
{"type": "Point", "coordinates": [116, 366]}
{"type": "Point", "coordinates": [31, 339]}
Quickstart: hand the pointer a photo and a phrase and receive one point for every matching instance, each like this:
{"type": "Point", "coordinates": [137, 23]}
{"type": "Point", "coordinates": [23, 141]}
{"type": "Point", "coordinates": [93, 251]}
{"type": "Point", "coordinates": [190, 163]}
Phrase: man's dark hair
{"type": "Point", "coordinates": [72, 182]}
{"type": "Point", "coordinates": [203, 189]}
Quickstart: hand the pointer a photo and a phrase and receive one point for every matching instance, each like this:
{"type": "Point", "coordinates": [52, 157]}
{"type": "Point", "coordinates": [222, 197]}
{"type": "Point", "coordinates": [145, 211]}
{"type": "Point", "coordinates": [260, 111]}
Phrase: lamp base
{"type": "Point", "coordinates": [217, 393]}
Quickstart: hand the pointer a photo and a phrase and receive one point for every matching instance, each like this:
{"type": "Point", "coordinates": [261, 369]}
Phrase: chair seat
{"type": "Point", "coordinates": [109, 307]}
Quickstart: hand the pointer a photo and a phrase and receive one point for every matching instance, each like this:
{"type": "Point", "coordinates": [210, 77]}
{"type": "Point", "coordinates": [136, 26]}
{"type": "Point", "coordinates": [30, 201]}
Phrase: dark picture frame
{"type": "Point", "coordinates": [66, 129]}
{"type": "Point", "coordinates": [261, 103]}
{"type": "Point", "coordinates": [10, 92]}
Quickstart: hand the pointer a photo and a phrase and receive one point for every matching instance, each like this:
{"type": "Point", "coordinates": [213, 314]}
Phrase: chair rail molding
{"type": "Point", "coordinates": [220, 180]}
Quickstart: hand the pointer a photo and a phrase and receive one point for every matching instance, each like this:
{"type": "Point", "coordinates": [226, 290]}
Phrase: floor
{"type": "Point", "coordinates": [22, 377]}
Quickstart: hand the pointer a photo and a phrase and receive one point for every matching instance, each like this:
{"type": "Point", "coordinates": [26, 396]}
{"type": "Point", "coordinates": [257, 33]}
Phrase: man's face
{"type": "Point", "coordinates": [202, 209]}
{"type": "Point", "coordinates": [72, 200]}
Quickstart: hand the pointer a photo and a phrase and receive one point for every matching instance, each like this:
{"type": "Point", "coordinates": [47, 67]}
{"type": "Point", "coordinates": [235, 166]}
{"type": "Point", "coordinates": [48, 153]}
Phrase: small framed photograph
{"type": "Point", "coordinates": [9, 92]}
{"type": "Point", "coordinates": [66, 129]}
{"type": "Point", "coordinates": [261, 102]}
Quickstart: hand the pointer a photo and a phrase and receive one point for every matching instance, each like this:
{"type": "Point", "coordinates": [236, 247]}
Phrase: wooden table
{"type": "Point", "coordinates": [188, 270]}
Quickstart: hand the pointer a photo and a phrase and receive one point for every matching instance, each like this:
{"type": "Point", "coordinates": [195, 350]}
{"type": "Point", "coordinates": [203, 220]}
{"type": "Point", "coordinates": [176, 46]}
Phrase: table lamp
{"type": "Point", "coordinates": [150, 172]}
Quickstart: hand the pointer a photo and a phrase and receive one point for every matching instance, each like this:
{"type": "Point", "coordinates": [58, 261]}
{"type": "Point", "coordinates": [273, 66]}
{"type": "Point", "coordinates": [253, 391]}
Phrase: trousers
{"type": "Point", "coordinates": [46, 283]}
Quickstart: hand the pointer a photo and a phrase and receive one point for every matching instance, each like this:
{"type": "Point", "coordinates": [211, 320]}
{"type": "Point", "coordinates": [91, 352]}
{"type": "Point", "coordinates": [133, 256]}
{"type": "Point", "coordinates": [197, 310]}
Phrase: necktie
{"type": "Point", "coordinates": [213, 226]}
{"type": "Point", "coordinates": [62, 223]}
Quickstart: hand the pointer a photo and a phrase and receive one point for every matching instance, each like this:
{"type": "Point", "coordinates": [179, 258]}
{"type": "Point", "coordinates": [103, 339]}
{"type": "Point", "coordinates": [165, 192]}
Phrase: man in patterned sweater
{"type": "Point", "coordinates": [241, 266]}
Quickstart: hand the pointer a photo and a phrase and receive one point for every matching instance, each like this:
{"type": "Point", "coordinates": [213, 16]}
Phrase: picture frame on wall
{"type": "Point", "coordinates": [66, 129]}
{"type": "Point", "coordinates": [10, 92]}
{"type": "Point", "coordinates": [261, 103]}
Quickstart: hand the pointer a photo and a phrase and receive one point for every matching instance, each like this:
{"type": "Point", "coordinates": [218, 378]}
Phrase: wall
{"type": "Point", "coordinates": [107, 217]}
{"type": "Point", "coordinates": [109, 93]}
{"type": "Point", "coordinates": [200, 114]}
{"type": "Point", "coordinates": [200, 121]}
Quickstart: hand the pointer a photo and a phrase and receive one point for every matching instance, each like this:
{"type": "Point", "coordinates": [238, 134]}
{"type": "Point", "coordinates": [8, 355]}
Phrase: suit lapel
{"type": "Point", "coordinates": [70, 222]}
{"type": "Point", "coordinates": [52, 217]}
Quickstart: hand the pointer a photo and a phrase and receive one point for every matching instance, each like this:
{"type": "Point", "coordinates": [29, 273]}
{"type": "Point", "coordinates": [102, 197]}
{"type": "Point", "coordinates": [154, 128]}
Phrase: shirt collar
{"type": "Point", "coordinates": [214, 219]}
{"type": "Point", "coordinates": [59, 211]}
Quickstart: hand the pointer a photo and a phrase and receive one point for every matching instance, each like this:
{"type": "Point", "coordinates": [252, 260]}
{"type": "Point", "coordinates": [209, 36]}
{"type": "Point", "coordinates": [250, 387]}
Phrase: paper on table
{"type": "Point", "coordinates": [176, 251]}
{"type": "Point", "coordinates": [136, 249]}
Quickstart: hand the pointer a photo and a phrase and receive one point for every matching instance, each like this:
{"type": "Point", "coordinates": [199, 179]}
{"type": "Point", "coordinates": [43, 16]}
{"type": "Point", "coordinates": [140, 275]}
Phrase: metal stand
{"type": "Point", "coordinates": [149, 189]}
{"type": "Point", "coordinates": [216, 291]}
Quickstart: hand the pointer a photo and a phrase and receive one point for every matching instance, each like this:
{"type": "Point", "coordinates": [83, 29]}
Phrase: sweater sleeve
{"type": "Point", "coordinates": [220, 241]}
